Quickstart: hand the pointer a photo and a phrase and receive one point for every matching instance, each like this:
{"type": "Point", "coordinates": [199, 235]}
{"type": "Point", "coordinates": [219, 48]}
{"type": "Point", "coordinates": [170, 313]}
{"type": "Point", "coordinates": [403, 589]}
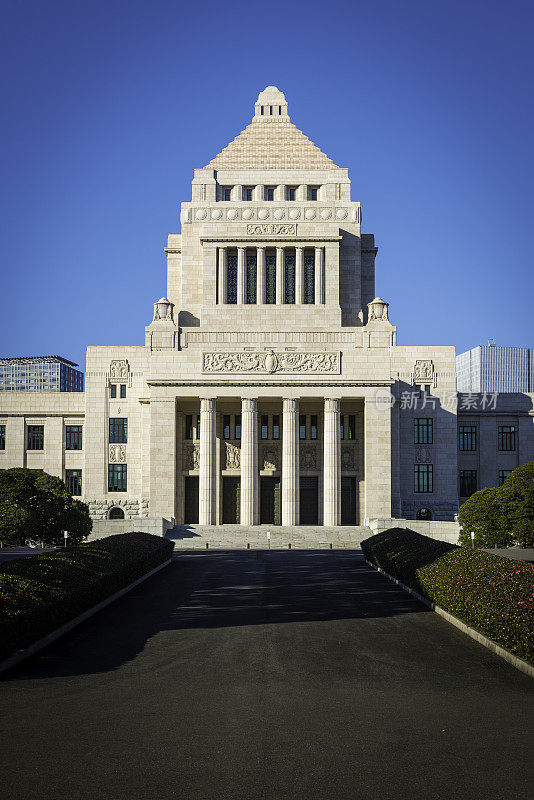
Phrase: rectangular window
{"type": "Point", "coordinates": [35, 440]}
{"type": "Point", "coordinates": [264, 426]}
{"type": "Point", "coordinates": [198, 427]}
{"type": "Point", "coordinates": [352, 426]}
{"type": "Point", "coordinates": [423, 431]}
{"type": "Point", "coordinates": [468, 482]}
{"type": "Point", "coordinates": [231, 278]}
{"type": "Point", "coordinates": [73, 437]}
{"type": "Point", "coordinates": [269, 193]}
{"type": "Point", "coordinates": [342, 426]}
{"type": "Point", "coordinates": [313, 426]}
{"type": "Point", "coordinates": [226, 426]}
{"type": "Point", "coordinates": [312, 192]}
{"type": "Point", "coordinates": [248, 193]}
{"type": "Point", "coordinates": [250, 278]}
{"type": "Point", "coordinates": [291, 193]}
{"type": "Point", "coordinates": [302, 426]}
{"type": "Point", "coordinates": [116, 477]}
{"type": "Point", "coordinates": [237, 426]}
{"type": "Point", "coordinates": [123, 391]}
{"type": "Point", "coordinates": [503, 474]}
{"type": "Point", "coordinates": [309, 277]}
{"type": "Point", "coordinates": [113, 390]}
{"type": "Point", "coordinates": [118, 430]}
{"type": "Point", "coordinates": [467, 437]}
{"type": "Point", "coordinates": [2, 437]}
{"type": "Point", "coordinates": [276, 426]}
{"type": "Point", "coordinates": [227, 193]}
{"type": "Point", "coordinates": [73, 481]}
{"type": "Point", "coordinates": [506, 437]}
{"type": "Point", "coordinates": [289, 281]}
{"type": "Point", "coordinates": [188, 426]}
{"type": "Point", "coordinates": [270, 279]}
{"type": "Point", "coordinates": [423, 478]}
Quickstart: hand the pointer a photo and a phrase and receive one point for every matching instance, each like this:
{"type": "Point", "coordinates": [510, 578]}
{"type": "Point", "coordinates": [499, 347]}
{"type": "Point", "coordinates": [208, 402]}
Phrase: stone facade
{"type": "Point", "coordinates": [270, 388]}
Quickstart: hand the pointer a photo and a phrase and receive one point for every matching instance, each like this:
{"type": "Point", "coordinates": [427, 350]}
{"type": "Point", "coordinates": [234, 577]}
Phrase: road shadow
{"type": "Point", "coordinates": [220, 589]}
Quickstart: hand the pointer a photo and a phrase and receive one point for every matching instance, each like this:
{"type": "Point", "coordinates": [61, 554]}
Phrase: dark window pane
{"type": "Point", "coordinates": [423, 478]}
{"type": "Point", "coordinates": [251, 278]}
{"type": "Point", "coordinates": [468, 482]}
{"type": "Point", "coordinates": [116, 477]}
{"type": "Point", "coordinates": [276, 426]}
{"type": "Point", "coordinates": [248, 194]}
{"type": "Point", "coordinates": [506, 437]}
{"type": "Point", "coordinates": [264, 426]}
{"type": "Point", "coordinates": [302, 426]}
{"type": "Point", "coordinates": [289, 277]}
{"type": "Point", "coordinates": [269, 194]}
{"type": "Point", "coordinates": [227, 194]}
{"type": "Point", "coordinates": [238, 426]}
{"type": "Point", "coordinates": [352, 426]}
{"type": "Point", "coordinates": [467, 437]}
{"type": "Point", "coordinates": [73, 437]}
{"type": "Point", "coordinates": [231, 278]}
{"type": "Point", "coordinates": [118, 430]}
{"type": "Point", "coordinates": [503, 474]}
{"type": "Point", "coordinates": [291, 194]}
{"type": "Point", "coordinates": [270, 279]}
{"type": "Point", "coordinates": [313, 426]}
{"type": "Point", "coordinates": [198, 426]}
{"type": "Point", "coordinates": [342, 426]}
{"type": "Point", "coordinates": [35, 440]}
{"type": "Point", "coordinates": [309, 276]}
{"type": "Point", "coordinates": [113, 390]}
{"type": "Point", "coordinates": [312, 193]}
{"type": "Point", "coordinates": [188, 426]}
{"type": "Point", "coordinates": [226, 426]}
{"type": "Point", "coordinates": [423, 431]}
{"type": "Point", "coordinates": [2, 437]}
{"type": "Point", "coordinates": [73, 481]}
{"type": "Point", "coordinates": [123, 390]}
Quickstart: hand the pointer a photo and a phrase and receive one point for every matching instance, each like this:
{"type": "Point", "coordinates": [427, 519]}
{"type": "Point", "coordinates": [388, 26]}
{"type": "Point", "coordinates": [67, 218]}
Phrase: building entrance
{"type": "Point", "coordinates": [191, 500]}
{"type": "Point", "coordinates": [309, 501]}
{"type": "Point", "coordinates": [270, 505]}
{"type": "Point", "coordinates": [349, 501]}
{"type": "Point", "coordinates": [231, 500]}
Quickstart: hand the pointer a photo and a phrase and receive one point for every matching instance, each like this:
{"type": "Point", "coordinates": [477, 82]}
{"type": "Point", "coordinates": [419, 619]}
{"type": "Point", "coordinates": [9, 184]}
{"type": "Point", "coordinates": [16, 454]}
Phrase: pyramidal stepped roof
{"type": "Point", "coordinates": [271, 141]}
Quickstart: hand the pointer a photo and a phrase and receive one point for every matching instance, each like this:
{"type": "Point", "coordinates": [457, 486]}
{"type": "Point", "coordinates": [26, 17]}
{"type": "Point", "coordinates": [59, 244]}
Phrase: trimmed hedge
{"type": "Point", "coordinates": [492, 594]}
{"type": "Point", "coordinates": [38, 594]}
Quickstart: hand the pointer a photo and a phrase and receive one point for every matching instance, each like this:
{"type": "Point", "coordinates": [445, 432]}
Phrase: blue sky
{"type": "Point", "coordinates": [109, 106]}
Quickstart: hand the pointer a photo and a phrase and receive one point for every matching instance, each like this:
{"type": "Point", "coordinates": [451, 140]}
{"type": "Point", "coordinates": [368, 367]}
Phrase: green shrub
{"type": "Point", "coordinates": [495, 595]}
{"type": "Point", "coordinates": [40, 593]}
{"type": "Point", "coordinates": [37, 507]}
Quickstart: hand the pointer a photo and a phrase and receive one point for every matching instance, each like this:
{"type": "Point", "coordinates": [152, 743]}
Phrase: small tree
{"type": "Point", "coordinates": [517, 501]}
{"type": "Point", "coordinates": [482, 514]}
{"type": "Point", "coordinates": [37, 507]}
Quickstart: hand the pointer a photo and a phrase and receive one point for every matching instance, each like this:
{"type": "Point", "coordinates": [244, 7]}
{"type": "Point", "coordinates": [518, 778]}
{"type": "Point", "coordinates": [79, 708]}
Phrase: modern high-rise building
{"type": "Point", "coordinates": [39, 374]}
{"type": "Point", "coordinates": [491, 368]}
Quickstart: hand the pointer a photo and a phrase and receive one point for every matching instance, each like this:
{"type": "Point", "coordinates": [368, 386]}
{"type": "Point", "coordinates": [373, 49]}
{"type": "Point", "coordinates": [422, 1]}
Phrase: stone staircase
{"type": "Point", "coordinates": [237, 537]}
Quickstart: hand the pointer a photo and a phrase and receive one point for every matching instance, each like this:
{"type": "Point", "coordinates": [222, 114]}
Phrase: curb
{"type": "Point", "coordinates": [515, 661]}
{"type": "Point", "coordinates": [16, 658]}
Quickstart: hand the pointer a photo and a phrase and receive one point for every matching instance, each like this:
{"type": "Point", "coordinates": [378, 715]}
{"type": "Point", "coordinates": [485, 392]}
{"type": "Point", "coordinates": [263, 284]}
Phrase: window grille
{"type": "Point", "coordinates": [251, 278]}
{"type": "Point", "coordinates": [231, 279]}
{"type": "Point", "coordinates": [506, 437]}
{"type": "Point", "coordinates": [73, 480]}
{"type": "Point", "coordinates": [270, 279]}
{"type": "Point", "coordinates": [309, 277]}
{"type": "Point", "coordinates": [117, 478]}
{"type": "Point", "coordinates": [423, 432]}
{"type": "Point", "coordinates": [118, 430]}
{"type": "Point", "coordinates": [35, 440]}
{"type": "Point", "coordinates": [73, 437]}
{"type": "Point", "coordinates": [289, 278]}
{"type": "Point", "coordinates": [423, 478]}
{"type": "Point", "coordinates": [467, 437]}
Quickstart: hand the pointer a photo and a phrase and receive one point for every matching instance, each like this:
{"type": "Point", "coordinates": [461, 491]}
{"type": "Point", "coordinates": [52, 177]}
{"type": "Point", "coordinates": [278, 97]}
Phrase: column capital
{"type": "Point", "coordinates": [331, 405]}
{"type": "Point", "coordinates": [249, 404]}
{"type": "Point", "coordinates": [207, 404]}
{"type": "Point", "coordinates": [290, 404]}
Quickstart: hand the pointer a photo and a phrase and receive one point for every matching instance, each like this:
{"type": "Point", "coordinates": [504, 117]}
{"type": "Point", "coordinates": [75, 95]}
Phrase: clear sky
{"type": "Point", "coordinates": [109, 105]}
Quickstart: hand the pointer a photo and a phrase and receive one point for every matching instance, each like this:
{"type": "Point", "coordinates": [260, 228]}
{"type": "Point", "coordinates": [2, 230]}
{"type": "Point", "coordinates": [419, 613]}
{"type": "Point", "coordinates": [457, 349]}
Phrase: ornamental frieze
{"type": "Point", "coordinates": [272, 229]}
{"type": "Point", "coordinates": [268, 362]}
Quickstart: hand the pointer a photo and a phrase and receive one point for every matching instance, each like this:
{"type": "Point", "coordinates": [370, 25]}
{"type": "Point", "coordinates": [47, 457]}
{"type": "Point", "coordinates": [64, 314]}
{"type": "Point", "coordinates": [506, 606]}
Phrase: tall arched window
{"type": "Point", "coordinates": [289, 277]}
{"type": "Point", "coordinates": [251, 278]}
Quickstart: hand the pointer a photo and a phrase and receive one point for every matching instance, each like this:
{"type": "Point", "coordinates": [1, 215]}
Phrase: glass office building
{"type": "Point", "coordinates": [39, 374]}
{"type": "Point", "coordinates": [489, 368]}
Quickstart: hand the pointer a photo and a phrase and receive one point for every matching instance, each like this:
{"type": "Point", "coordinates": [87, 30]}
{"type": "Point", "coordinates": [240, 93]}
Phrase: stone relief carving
{"type": "Point", "coordinates": [191, 456]}
{"type": "Point", "coordinates": [233, 456]}
{"type": "Point", "coordinates": [119, 368]}
{"type": "Point", "coordinates": [423, 371]}
{"type": "Point", "coordinates": [308, 456]}
{"type": "Point", "coordinates": [272, 229]}
{"type": "Point", "coordinates": [270, 458]}
{"type": "Point", "coordinates": [423, 455]}
{"type": "Point", "coordinates": [348, 460]}
{"type": "Point", "coordinates": [269, 362]}
{"type": "Point", "coordinates": [117, 453]}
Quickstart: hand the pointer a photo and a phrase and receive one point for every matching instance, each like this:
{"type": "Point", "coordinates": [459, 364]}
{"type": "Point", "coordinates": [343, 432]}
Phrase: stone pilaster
{"type": "Point", "coordinates": [377, 443]}
{"type": "Point", "coordinates": [332, 464]}
{"type": "Point", "coordinates": [162, 457]}
{"type": "Point", "coordinates": [249, 462]}
{"type": "Point", "coordinates": [299, 275]}
{"type": "Point", "coordinates": [261, 283]}
{"type": "Point", "coordinates": [207, 471]}
{"type": "Point", "coordinates": [319, 273]}
{"type": "Point", "coordinates": [279, 276]}
{"type": "Point", "coordinates": [241, 282]}
{"type": "Point", "coordinates": [223, 280]}
{"type": "Point", "coordinates": [290, 462]}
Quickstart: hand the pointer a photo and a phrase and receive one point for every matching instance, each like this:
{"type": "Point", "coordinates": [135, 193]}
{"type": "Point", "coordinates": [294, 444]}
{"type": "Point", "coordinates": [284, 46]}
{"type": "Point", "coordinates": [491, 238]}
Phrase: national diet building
{"type": "Point", "coordinates": [270, 388]}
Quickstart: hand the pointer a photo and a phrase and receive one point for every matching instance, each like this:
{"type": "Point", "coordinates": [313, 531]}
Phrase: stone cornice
{"type": "Point", "coordinates": [231, 382]}
{"type": "Point", "coordinates": [254, 241]}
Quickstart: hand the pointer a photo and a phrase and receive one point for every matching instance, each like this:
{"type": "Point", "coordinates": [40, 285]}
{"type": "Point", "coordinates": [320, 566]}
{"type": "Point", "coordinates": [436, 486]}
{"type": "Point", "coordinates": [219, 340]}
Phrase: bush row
{"type": "Point", "coordinates": [40, 593]}
{"type": "Point", "coordinates": [492, 594]}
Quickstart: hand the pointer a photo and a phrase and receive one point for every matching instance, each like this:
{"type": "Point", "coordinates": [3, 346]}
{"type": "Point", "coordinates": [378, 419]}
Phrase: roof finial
{"type": "Point", "coordinates": [271, 106]}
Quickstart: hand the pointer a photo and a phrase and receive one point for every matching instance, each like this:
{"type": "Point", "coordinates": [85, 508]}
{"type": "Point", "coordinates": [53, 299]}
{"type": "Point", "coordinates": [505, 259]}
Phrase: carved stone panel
{"type": "Point", "coordinates": [267, 362]}
{"type": "Point", "coordinates": [191, 456]}
{"type": "Point", "coordinates": [117, 453]}
{"type": "Point", "coordinates": [270, 458]}
{"type": "Point", "coordinates": [423, 455]}
{"type": "Point", "coordinates": [348, 456]}
{"type": "Point", "coordinates": [308, 456]}
{"type": "Point", "coordinates": [423, 371]}
{"type": "Point", "coordinates": [272, 229]}
{"type": "Point", "coordinates": [119, 368]}
{"type": "Point", "coordinates": [233, 456]}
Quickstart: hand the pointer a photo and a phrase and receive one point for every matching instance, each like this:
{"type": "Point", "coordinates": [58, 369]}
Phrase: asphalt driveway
{"type": "Point", "coordinates": [282, 674]}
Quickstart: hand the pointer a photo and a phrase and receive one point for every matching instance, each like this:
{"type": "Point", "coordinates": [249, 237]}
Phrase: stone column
{"type": "Point", "coordinates": [279, 276]}
{"type": "Point", "coordinates": [223, 279]}
{"type": "Point", "coordinates": [249, 462]}
{"type": "Point", "coordinates": [377, 444]}
{"type": "Point", "coordinates": [207, 472]}
{"type": "Point", "coordinates": [299, 275]}
{"type": "Point", "coordinates": [241, 282]}
{"type": "Point", "coordinates": [331, 464]}
{"type": "Point", "coordinates": [260, 275]}
{"type": "Point", "coordinates": [319, 275]}
{"type": "Point", "coordinates": [290, 462]}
